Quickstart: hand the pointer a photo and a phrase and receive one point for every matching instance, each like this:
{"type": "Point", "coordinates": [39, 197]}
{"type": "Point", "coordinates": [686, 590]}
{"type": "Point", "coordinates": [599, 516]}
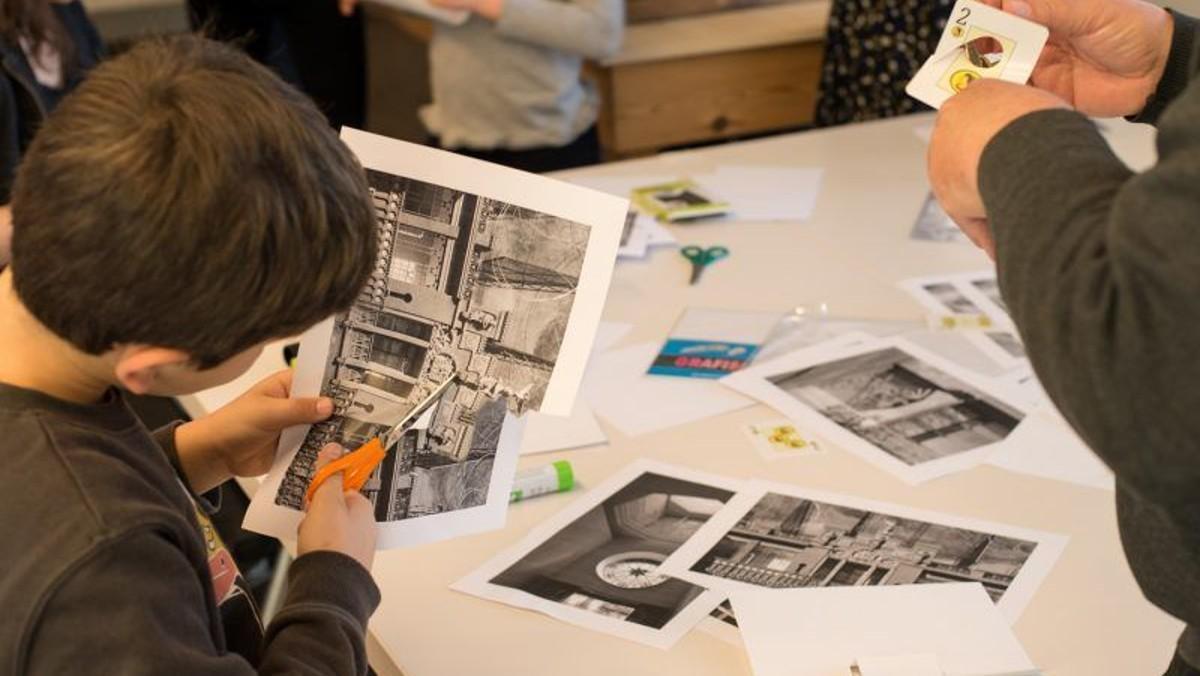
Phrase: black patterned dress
{"type": "Point", "coordinates": [872, 49]}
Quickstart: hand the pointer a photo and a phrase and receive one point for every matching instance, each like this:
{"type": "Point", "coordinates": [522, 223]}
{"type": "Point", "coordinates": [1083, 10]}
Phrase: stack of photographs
{"type": "Point", "coordinates": [656, 550]}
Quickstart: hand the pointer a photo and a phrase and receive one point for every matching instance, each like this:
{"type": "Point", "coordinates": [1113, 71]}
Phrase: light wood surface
{"type": "Point", "coordinates": [1087, 619]}
{"type": "Point", "coordinates": [659, 104]}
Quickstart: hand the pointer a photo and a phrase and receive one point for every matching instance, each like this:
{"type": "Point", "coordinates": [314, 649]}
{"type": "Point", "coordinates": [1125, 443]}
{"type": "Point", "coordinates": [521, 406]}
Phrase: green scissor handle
{"type": "Point", "coordinates": [702, 258]}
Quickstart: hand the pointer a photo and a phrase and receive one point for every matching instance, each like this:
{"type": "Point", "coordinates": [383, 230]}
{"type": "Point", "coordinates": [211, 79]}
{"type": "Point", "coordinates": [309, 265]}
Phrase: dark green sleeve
{"type": "Point", "coordinates": [1182, 65]}
{"type": "Point", "coordinates": [1101, 269]}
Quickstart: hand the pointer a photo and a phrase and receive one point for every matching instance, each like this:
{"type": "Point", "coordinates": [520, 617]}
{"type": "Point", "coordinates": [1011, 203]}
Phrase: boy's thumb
{"type": "Point", "coordinates": [333, 484]}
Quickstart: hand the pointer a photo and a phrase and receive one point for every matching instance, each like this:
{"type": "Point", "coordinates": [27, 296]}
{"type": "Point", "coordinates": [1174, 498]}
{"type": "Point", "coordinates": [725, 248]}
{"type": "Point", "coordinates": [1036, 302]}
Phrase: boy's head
{"type": "Point", "coordinates": [182, 207]}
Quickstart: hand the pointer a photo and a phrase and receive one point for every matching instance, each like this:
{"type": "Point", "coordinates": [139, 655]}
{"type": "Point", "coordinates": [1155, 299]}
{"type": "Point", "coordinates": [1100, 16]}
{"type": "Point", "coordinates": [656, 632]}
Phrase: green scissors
{"type": "Point", "coordinates": [702, 258]}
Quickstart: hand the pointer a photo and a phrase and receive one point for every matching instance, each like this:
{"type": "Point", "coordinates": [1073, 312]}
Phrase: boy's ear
{"type": "Point", "coordinates": [139, 367]}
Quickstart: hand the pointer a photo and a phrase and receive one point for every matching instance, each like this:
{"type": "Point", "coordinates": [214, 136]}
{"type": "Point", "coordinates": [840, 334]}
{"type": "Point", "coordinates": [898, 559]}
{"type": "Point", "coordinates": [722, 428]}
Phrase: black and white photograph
{"type": "Point", "coordinates": [933, 225]}
{"type": "Point", "coordinates": [465, 286]}
{"type": "Point", "coordinates": [899, 406]}
{"type": "Point", "coordinates": [974, 294]}
{"type": "Point", "coordinates": [777, 536]}
{"type": "Point", "coordinates": [596, 563]}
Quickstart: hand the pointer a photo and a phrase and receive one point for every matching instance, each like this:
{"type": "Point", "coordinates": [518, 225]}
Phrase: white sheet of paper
{"type": "Point", "coordinates": [766, 193]}
{"type": "Point", "coordinates": [460, 286]}
{"type": "Point", "coordinates": [786, 535]}
{"type": "Point", "coordinates": [910, 387]}
{"type": "Point", "coordinates": [822, 631]}
{"type": "Point", "coordinates": [621, 392]}
{"type": "Point", "coordinates": [454, 17]}
{"type": "Point", "coordinates": [953, 65]}
{"type": "Point", "coordinates": [659, 234]}
{"type": "Point", "coordinates": [918, 664]}
{"type": "Point", "coordinates": [1044, 445]}
{"type": "Point", "coordinates": [589, 550]}
{"type": "Point", "coordinates": [546, 433]}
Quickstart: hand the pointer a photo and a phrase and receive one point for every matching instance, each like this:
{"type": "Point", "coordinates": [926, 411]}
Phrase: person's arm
{"type": "Point", "coordinates": [138, 607]}
{"type": "Point", "coordinates": [1101, 270]}
{"type": "Point", "coordinates": [592, 29]}
{"type": "Point", "coordinates": [1183, 64]}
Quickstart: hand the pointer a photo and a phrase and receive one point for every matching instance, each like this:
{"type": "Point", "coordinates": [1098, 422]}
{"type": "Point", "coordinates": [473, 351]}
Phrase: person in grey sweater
{"type": "Point", "coordinates": [1101, 265]}
{"type": "Point", "coordinates": [506, 84]}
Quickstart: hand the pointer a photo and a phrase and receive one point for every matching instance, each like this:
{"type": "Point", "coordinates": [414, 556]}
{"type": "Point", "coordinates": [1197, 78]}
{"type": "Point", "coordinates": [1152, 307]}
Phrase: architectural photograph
{"type": "Point", "coordinates": [894, 401]}
{"type": "Point", "coordinates": [606, 560]}
{"type": "Point", "coordinates": [462, 285]}
{"type": "Point", "coordinates": [788, 541]}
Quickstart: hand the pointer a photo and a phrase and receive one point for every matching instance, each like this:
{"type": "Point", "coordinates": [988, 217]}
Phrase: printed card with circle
{"type": "Point", "coordinates": [979, 42]}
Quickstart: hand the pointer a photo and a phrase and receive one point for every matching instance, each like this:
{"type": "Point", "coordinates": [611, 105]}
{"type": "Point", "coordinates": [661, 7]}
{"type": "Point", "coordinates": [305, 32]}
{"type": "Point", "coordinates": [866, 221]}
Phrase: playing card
{"type": "Point", "coordinates": [979, 42]}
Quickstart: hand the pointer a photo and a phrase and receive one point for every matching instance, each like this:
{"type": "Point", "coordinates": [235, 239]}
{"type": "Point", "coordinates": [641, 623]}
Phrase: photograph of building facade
{"type": "Point", "coordinates": [787, 541]}
{"type": "Point", "coordinates": [606, 561]}
{"type": "Point", "coordinates": [898, 403]}
{"type": "Point", "coordinates": [462, 285]}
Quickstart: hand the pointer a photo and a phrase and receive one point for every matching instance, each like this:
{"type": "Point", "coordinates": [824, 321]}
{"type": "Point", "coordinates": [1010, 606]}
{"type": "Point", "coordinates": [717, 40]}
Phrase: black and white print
{"type": "Point", "coordinates": [898, 406]}
{"type": "Point", "coordinates": [596, 563]}
{"type": "Point", "coordinates": [778, 536]}
{"type": "Point", "coordinates": [933, 225]}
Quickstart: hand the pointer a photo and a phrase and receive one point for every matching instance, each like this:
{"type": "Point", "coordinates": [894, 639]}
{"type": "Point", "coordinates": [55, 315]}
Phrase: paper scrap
{"type": "Point", "coordinates": [620, 391]}
{"type": "Point", "coordinates": [823, 631]}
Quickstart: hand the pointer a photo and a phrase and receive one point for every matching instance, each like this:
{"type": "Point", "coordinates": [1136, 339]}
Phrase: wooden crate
{"type": "Point", "coordinates": [658, 104]}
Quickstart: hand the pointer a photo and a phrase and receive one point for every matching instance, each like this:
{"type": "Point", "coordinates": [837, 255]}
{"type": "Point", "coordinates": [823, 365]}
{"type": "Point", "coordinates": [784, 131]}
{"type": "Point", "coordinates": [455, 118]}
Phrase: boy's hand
{"type": "Point", "coordinates": [338, 520]}
{"type": "Point", "coordinates": [239, 439]}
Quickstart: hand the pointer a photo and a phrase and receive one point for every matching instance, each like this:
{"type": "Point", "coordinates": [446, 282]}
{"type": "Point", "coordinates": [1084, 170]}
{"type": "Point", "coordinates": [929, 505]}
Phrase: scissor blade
{"type": "Point", "coordinates": [412, 416]}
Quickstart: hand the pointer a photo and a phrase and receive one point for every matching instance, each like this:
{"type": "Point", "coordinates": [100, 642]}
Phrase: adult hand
{"type": "Point", "coordinates": [338, 520]}
{"type": "Point", "coordinates": [965, 125]}
{"type": "Point", "coordinates": [239, 439]}
{"type": "Point", "coordinates": [1104, 57]}
{"type": "Point", "coordinates": [346, 7]}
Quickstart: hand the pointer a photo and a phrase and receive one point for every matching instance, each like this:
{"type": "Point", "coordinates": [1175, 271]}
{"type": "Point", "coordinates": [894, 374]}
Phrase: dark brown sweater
{"type": "Point", "coordinates": [108, 567]}
{"type": "Point", "coordinates": [1101, 269]}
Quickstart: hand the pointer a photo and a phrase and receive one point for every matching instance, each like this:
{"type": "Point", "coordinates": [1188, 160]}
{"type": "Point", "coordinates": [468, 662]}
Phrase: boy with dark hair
{"type": "Point", "coordinates": [179, 210]}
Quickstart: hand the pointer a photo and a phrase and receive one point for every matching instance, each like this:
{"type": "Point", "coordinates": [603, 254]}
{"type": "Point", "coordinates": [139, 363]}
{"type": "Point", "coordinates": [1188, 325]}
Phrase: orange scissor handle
{"type": "Point", "coordinates": [355, 467]}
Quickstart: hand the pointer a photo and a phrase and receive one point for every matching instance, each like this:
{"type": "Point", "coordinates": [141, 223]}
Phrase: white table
{"type": "Point", "coordinates": [1088, 618]}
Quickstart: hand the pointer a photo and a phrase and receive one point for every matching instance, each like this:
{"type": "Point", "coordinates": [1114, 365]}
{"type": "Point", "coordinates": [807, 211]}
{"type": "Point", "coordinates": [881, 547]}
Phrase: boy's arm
{"type": "Point", "coordinates": [592, 29]}
{"type": "Point", "coordinates": [137, 607]}
{"type": "Point", "coordinates": [1102, 273]}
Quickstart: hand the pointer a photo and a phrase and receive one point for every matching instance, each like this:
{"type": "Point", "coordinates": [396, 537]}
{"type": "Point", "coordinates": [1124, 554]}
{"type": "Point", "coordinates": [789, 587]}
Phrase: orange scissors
{"type": "Point", "coordinates": [356, 467]}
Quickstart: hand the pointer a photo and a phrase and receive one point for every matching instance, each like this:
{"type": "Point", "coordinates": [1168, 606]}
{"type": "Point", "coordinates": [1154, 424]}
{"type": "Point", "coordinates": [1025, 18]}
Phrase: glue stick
{"type": "Point", "coordinates": [554, 478]}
